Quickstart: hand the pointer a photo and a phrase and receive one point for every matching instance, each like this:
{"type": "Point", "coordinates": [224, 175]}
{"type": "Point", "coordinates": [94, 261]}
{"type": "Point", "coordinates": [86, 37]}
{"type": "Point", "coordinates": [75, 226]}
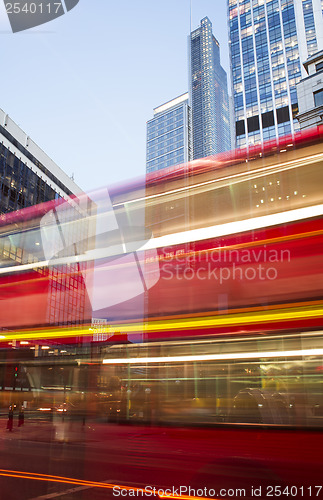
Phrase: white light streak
{"type": "Point", "coordinates": [234, 227]}
{"type": "Point", "coordinates": [199, 234]}
{"type": "Point", "coordinates": [240, 177]}
{"type": "Point", "coordinates": [216, 357]}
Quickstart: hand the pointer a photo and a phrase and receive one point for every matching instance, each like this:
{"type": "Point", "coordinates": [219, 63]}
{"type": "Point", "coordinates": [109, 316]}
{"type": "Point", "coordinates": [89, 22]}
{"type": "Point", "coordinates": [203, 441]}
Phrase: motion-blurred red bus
{"type": "Point", "coordinates": [191, 299]}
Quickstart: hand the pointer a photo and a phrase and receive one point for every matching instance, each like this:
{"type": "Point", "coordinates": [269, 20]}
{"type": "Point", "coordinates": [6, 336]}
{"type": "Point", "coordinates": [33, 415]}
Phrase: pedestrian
{"type": "Point", "coordinates": [21, 416]}
{"type": "Point", "coordinates": [10, 419]}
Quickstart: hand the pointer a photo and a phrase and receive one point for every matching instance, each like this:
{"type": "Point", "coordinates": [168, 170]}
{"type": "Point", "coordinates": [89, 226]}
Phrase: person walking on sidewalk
{"type": "Point", "coordinates": [21, 416]}
{"type": "Point", "coordinates": [10, 419]}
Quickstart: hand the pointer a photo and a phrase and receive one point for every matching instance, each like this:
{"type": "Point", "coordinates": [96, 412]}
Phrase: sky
{"type": "Point", "coordinates": [84, 85]}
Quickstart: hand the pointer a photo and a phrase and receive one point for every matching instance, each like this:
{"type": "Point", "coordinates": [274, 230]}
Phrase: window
{"type": "Point", "coordinates": [240, 128]}
{"type": "Point", "coordinates": [267, 119]}
{"type": "Point", "coordinates": [318, 98]}
{"type": "Point", "coordinates": [319, 66]}
{"type": "Point", "coordinates": [283, 114]}
{"type": "Point", "coordinates": [253, 123]}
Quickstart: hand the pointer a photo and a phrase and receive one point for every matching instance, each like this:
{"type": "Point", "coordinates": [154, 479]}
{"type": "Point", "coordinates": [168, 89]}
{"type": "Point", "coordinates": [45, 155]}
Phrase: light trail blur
{"type": "Point", "coordinates": [92, 484]}
{"type": "Point", "coordinates": [190, 299]}
{"type": "Point", "coordinates": [281, 314]}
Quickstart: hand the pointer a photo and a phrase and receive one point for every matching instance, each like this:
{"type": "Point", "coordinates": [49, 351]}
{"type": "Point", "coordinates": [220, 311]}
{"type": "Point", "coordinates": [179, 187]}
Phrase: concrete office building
{"type": "Point", "coordinates": [310, 93]}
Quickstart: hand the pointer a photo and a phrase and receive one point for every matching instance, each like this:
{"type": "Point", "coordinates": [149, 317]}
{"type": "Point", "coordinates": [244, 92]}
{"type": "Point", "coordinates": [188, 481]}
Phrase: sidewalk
{"type": "Point", "coordinates": [74, 431]}
{"type": "Point", "coordinates": [59, 431]}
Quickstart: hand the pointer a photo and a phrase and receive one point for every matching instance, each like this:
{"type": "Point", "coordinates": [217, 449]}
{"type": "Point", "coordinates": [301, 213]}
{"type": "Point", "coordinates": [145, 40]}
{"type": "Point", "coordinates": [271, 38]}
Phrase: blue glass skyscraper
{"type": "Point", "coordinates": [208, 94]}
{"type": "Point", "coordinates": [169, 135]}
{"type": "Point", "coordinates": [269, 41]}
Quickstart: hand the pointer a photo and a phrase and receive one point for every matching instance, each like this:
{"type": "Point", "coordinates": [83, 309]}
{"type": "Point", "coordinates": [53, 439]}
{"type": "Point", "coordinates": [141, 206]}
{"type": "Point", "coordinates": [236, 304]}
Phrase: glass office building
{"type": "Point", "coordinates": [169, 135]}
{"type": "Point", "coordinates": [269, 41]}
{"type": "Point", "coordinates": [208, 94]}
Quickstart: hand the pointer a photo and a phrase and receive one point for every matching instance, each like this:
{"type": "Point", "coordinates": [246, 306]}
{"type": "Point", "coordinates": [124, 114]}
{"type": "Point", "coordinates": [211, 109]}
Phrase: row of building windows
{"type": "Point", "coordinates": [20, 187]}
{"type": "Point", "coordinates": [261, 33]}
{"type": "Point", "coordinates": [309, 26]}
{"type": "Point", "coordinates": [168, 160]}
{"type": "Point", "coordinates": [267, 120]}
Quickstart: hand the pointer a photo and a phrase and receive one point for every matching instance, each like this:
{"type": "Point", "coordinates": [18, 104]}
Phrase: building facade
{"type": "Point", "coordinates": [269, 41]}
{"type": "Point", "coordinates": [208, 94]}
{"type": "Point", "coordinates": [310, 93]}
{"type": "Point", "coordinates": [28, 175]}
{"type": "Point", "coordinates": [169, 135]}
{"type": "Point", "coordinates": [28, 236]}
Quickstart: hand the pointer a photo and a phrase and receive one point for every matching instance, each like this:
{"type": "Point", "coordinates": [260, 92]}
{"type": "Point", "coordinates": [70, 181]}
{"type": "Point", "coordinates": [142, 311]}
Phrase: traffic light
{"type": "Point", "coordinates": [16, 371]}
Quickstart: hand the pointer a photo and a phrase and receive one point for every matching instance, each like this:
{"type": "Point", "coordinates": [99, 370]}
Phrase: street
{"type": "Point", "coordinates": [75, 456]}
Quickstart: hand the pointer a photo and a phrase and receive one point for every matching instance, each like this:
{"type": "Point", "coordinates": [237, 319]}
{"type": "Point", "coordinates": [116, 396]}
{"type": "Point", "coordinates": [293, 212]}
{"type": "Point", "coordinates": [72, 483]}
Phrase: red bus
{"type": "Point", "coordinates": [191, 301]}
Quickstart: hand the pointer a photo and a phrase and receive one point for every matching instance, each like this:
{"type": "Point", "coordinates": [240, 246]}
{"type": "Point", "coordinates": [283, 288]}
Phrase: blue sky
{"type": "Point", "coordinates": [84, 85]}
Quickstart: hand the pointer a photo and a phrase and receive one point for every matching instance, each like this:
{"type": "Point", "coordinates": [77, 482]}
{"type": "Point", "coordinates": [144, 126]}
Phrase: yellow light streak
{"type": "Point", "coordinates": [256, 316]}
